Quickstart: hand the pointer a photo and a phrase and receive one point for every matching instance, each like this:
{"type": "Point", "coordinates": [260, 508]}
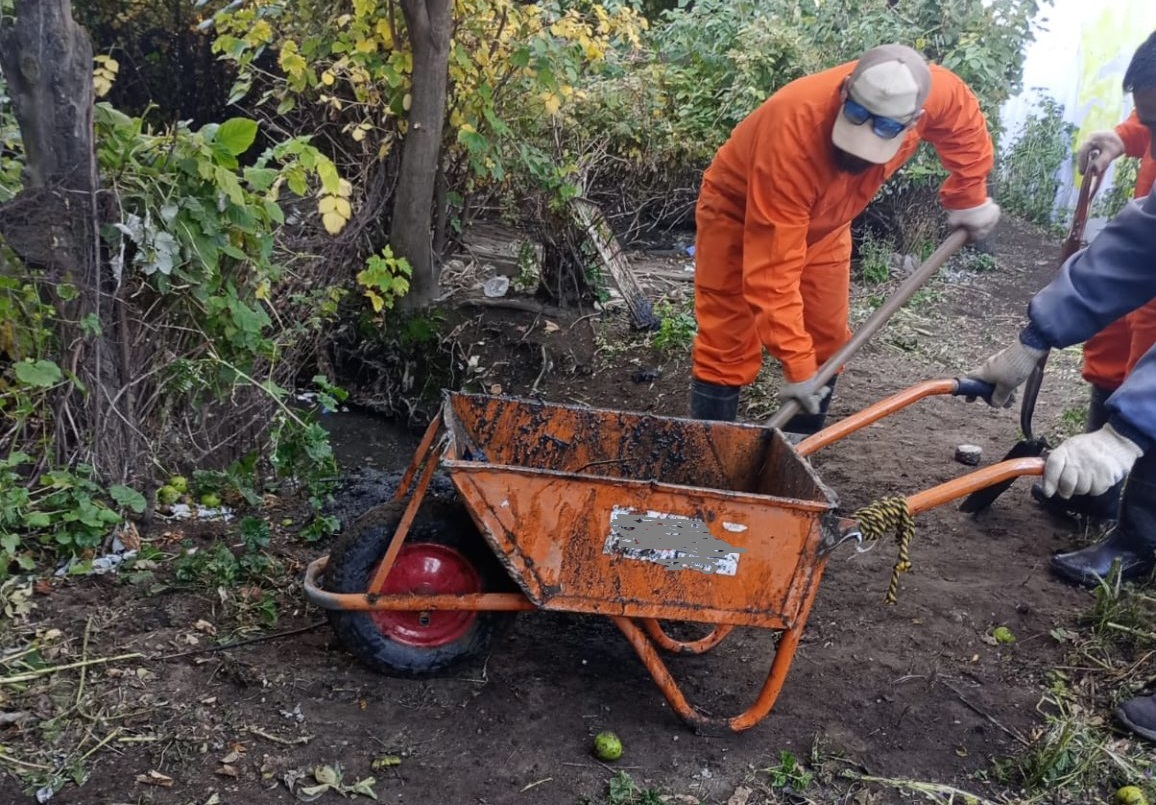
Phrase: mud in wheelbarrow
{"type": "Point", "coordinates": [638, 518]}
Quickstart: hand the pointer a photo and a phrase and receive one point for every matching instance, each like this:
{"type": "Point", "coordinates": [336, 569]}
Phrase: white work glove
{"type": "Point", "coordinates": [1108, 143]}
{"type": "Point", "coordinates": [1007, 371]}
{"type": "Point", "coordinates": [1089, 464]}
{"type": "Point", "coordinates": [804, 393]}
{"type": "Point", "coordinates": [978, 221]}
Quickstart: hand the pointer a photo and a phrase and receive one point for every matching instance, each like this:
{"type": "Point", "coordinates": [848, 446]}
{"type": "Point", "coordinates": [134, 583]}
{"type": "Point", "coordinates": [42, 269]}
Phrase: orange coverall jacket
{"type": "Point", "coordinates": [773, 221]}
{"type": "Point", "coordinates": [1110, 354]}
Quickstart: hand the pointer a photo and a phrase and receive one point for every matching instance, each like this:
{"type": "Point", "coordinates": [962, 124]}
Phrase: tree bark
{"type": "Point", "coordinates": [430, 27]}
{"type": "Point", "coordinates": [52, 224]}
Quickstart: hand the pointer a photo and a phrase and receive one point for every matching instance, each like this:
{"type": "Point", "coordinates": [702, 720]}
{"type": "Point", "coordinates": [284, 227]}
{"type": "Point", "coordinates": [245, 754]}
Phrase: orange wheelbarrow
{"type": "Point", "coordinates": [639, 518]}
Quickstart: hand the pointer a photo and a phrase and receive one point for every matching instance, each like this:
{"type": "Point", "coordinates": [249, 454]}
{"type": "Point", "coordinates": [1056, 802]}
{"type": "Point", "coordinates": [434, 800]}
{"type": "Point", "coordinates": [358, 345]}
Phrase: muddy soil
{"type": "Point", "coordinates": [916, 690]}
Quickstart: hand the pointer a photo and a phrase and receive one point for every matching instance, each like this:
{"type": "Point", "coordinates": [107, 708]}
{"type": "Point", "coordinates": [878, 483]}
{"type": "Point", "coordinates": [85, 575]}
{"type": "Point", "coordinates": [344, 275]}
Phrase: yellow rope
{"type": "Point", "coordinates": [884, 516]}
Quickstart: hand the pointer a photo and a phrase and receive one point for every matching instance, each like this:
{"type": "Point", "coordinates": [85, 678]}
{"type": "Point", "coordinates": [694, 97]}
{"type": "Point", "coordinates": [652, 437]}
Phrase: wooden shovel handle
{"type": "Point", "coordinates": [954, 242]}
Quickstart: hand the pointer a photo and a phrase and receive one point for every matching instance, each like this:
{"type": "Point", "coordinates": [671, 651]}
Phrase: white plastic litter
{"type": "Point", "coordinates": [496, 286]}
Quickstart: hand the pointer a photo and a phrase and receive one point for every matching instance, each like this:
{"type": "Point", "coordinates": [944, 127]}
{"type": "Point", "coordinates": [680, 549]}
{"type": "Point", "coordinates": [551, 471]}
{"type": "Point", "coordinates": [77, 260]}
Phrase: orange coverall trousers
{"type": "Point", "coordinates": [1110, 354]}
{"type": "Point", "coordinates": [729, 353]}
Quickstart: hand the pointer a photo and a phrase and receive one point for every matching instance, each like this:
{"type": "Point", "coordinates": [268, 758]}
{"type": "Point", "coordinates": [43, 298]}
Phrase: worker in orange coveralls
{"type": "Point", "coordinates": [773, 247]}
{"type": "Point", "coordinates": [1110, 354]}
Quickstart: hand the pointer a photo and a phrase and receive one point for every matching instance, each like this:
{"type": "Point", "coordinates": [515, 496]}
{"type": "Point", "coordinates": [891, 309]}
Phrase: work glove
{"type": "Point", "coordinates": [978, 221]}
{"type": "Point", "coordinates": [804, 393]}
{"type": "Point", "coordinates": [1108, 143]}
{"type": "Point", "coordinates": [1089, 464]}
{"type": "Point", "coordinates": [1006, 371]}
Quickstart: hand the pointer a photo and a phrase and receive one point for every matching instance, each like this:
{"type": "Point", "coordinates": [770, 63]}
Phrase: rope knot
{"type": "Point", "coordinates": [877, 520]}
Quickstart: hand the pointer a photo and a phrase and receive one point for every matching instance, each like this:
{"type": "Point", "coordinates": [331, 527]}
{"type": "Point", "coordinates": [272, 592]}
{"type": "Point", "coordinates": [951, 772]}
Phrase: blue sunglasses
{"type": "Point", "coordinates": [887, 128]}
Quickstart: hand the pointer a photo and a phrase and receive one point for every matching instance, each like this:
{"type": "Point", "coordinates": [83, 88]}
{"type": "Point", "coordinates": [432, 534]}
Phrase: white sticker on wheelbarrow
{"type": "Point", "coordinates": [672, 540]}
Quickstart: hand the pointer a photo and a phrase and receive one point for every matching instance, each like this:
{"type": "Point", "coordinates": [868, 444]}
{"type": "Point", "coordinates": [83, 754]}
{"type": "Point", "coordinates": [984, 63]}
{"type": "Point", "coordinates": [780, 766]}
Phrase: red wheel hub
{"type": "Point", "coordinates": [429, 569]}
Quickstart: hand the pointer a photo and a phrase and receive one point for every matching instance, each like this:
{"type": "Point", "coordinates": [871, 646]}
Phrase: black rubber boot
{"type": "Point", "coordinates": [1132, 541]}
{"type": "Point", "coordinates": [1092, 507]}
{"type": "Point", "coordinates": [807, 424]}
{"type": "Point", "coordinates": [709, 401]}
{"type": "Point", "coordinates": [1139, 715]}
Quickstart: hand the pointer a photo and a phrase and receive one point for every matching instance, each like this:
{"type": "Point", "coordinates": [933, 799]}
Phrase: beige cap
{"type": "Point", "coordinates": [889, 81]}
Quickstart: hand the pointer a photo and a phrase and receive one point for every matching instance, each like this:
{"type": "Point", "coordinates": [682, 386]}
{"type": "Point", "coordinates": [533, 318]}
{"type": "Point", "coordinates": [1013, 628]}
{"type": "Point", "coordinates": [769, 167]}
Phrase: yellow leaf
{"type": "Point", "coordinates": [343, 208]}
{"type": "Point", "coordinates": [358, 134]}
{"type": "Point", "coordinates": [375, 300]}
{"type": "Point", "coordinates": [344, 188]}
{"type": "Point", "coordinates": [333, 222]}
{"type": "Point", "coordinates": [553, 103]}
{"type": "Point", "coordinates": [327, 204]}
{"type": "Point", "coordinates": [384, 33]}
{"type": "Point", "coordinates": [327, 78]}
{"type": "Point", "coordinates": [262, 291]}
{"type": "Point", "coordinates": [365, 46]}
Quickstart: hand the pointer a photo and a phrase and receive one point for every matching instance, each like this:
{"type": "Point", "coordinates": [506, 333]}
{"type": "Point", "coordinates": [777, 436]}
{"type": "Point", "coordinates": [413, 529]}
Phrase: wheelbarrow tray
{"type": "Point", "coordinates": [627, 514]}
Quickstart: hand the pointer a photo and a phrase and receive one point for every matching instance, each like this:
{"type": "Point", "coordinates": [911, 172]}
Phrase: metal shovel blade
{"type": "Point", "coordinates": [1030, 446]}
{"type": "Point", "coordinates": [978, 501]}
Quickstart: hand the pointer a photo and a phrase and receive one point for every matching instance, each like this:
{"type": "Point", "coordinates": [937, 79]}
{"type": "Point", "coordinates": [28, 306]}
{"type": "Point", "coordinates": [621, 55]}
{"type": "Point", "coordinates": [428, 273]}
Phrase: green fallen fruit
{"type": "Point", "coordinates": [168, 495]}
{"type": "Point", "coordinates": [288, 521]}
{"type": "Point", "coordinates": [1002, 634]}
{"type": "Point", "coordinates": [179, 483]}
{"type": "Point", "coordinates": [210, 501]}
{"type": "Point", "coordinates": [607, 746]}
{"type": "Point", "coordinates": [1130, 795]}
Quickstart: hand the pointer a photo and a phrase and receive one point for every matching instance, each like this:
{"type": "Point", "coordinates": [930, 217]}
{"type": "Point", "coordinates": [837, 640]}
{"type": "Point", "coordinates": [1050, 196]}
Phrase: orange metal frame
{"type": "Point", "coordinates": [644, 632]}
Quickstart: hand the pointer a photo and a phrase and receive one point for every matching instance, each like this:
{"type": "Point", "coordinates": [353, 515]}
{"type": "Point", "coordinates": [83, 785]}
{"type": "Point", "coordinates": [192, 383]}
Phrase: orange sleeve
{"type": "Point", "coordinates": [954, 124]}
{"type": "Point", "coordinates": [780, 195]}
{"type": "Point", "coordinates": [1135, 135]}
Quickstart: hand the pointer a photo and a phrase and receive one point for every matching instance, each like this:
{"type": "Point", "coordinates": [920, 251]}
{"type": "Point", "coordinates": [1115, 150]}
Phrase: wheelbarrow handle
{"type": "Point", "coordinates": [972, 482]}
{"type": "Point", "coordinates": [954, 242]}
{"type": "Point", "coordinates": [957, 387]}
{"type": "Point", "coordinates": [972, 388]}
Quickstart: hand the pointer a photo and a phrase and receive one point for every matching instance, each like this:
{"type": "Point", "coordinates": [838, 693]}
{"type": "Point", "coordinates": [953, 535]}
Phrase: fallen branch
{"type": "Point", "coordinates": [986, 715]}
{"type": "Point", "coordinates": [240, 643]}
{"type": "Point", "coordinates": [512, 304]}
{"type": "Point", "coordinates": [922, 788]}
{"type": "Point", "coordinates": [39, 672]}
{"type": "Point", "coordinates": [277, 739]}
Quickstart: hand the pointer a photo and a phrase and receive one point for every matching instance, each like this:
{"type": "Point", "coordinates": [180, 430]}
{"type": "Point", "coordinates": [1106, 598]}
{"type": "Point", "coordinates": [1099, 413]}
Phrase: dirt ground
{"type": "Point", "coordinates": [918, 690]}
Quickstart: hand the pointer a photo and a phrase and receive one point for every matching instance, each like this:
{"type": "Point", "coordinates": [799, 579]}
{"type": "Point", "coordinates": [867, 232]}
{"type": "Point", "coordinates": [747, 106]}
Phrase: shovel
{"type": "Point", "coordinates": [875, 322]}
{"type": "Point", "coordinates": [1031, 446]}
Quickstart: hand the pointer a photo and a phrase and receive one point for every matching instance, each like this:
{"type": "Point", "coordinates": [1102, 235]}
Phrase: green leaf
{"type": "Point", "coordinates": [237, 134]}
{"type": "Point", "coordinates": [127, 497]}
{"type": "Point", "coordinates": [260, 179]}
{"type": "Point", "coordinates": [227, 181]}
{"type": "Point", "coordinates": [37, 520]}
{"type": "Point", "coordinates": [41, 373]}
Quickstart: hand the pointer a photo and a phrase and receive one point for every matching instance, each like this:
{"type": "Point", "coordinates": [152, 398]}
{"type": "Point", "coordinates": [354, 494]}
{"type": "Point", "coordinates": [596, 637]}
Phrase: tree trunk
{"type": "Point", "coordinates": [430, 26]}
{"type": "Point", "coordinates": [52, 225]}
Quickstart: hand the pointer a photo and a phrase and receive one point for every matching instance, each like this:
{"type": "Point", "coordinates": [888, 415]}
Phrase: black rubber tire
{"type": "Point", "coordinates": [358, 552]}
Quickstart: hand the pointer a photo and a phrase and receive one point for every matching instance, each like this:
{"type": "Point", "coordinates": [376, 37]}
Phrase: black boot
{"type": "Point", "coordinates": [709, 401]}
{"type": "Point", "coordinates": [1092, 507]}
{"type": "Point", "coordinates": [1139, 715]}
{"type": "Point", "coordinates": [1132, 541]}
{"type": "Point", "coordinates": [807, 424]}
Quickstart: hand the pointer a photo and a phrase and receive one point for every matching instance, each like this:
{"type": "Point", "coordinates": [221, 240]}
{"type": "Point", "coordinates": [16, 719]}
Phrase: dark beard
{"type": "Point", "coordinates": [849, 163]}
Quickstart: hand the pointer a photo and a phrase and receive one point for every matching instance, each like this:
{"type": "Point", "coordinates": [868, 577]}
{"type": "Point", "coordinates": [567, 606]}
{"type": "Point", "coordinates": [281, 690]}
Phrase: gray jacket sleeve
{"type": "Point", "coordinates": [1115, 275]}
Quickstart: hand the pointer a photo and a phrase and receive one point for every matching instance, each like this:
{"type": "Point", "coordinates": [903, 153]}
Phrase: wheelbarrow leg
{"type": "Point", "coordinates": [703, 644]}
{"type": "Point", "coordinates": [423, 465]}
{"type": "Point", "coordinates": [784, 654]}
